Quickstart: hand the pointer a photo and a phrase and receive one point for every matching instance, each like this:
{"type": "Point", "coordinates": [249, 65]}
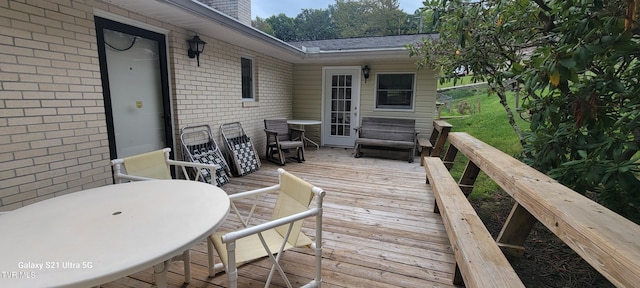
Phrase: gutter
{"type": "Point", "coordinates": [209, 13]}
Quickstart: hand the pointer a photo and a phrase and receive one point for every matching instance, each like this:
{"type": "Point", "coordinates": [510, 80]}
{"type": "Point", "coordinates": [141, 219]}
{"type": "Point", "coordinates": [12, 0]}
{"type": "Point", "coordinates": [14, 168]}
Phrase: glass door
{"type": "Point", "coordinates": [342, 94]}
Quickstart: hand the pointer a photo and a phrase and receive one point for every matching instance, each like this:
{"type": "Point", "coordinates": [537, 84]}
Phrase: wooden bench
{"type": "Point", "coordinates": [607, 241]}
{"type": "Point", "coordinates": [390, 133]}
{"type": "Point", "coordinates": [479, 260]}
{"type": "Point", "coordinates": [433, 145]}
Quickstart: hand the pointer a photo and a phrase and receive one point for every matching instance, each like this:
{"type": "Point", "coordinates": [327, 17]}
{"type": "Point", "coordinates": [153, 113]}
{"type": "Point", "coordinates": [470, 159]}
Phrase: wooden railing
{"type": "Point", "coordinates": [607, 241]}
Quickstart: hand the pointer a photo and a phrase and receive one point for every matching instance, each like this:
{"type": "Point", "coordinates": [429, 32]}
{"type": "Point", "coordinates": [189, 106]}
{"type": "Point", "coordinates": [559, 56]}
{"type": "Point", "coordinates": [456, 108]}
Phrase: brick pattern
{"type": "Point", "coordinates": [217, 98]}
{"type": "Point", "coordinates": [53, 136]}
{"type": "Point", "coordinates": [239, 9]}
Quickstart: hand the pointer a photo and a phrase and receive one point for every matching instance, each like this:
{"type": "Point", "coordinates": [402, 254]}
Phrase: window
{"type": "Point", "coordinates": [395, 91]}
{"type": "Point", "coordinates": [247, 78]}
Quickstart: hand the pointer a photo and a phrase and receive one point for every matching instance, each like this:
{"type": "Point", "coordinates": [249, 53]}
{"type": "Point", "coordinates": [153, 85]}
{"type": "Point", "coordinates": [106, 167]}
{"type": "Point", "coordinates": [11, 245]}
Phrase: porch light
{"type": "Point", "coordinates": [365, 72]}
{"type": "Point", "coordinates": [196, 46]}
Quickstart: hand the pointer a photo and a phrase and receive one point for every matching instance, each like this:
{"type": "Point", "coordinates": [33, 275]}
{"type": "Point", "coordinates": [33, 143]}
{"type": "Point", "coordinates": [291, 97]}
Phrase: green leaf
{"type": "Point", "coordinates": [582, 153]}
{"type": "Point", "coordinates": [568, 63]}
{"type": "Point", "coordinates": [517, 68]}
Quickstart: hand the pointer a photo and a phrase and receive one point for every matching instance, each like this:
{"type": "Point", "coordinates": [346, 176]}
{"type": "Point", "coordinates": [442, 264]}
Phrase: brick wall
{"type": "Point", "coordinates": [53, 137]}
{"type": "Point", "coordinates": [217, 97]}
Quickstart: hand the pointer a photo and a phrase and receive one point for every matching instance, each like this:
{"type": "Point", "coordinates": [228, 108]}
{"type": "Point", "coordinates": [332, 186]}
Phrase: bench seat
{"type": "Point", "coordinates": [387, 133]}
{"type": "Point", "coordinates": [387, 143]}
{"type": "Point", "coordinates": [479, 260]}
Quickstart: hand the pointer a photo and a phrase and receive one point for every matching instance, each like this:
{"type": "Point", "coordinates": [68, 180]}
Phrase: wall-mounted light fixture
{"type": "Point", "coordinates": [365, 72]}
{"type": "Point", "coordinates": [196, 46]}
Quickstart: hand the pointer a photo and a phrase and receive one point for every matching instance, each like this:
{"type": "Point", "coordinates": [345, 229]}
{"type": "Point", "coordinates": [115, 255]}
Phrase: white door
{"type": "Point", "coordinates": [341, 102]}
{"type": "Point", "coordinates": [137, 111]}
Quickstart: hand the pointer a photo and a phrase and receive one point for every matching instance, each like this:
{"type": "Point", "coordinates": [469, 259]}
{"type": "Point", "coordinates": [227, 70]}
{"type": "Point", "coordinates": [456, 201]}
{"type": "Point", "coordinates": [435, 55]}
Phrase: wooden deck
{"type": "Point", "coordinates": [379, 228]}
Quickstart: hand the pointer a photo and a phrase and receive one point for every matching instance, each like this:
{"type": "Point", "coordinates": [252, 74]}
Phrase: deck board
{"type": "Point", "coordinates": [379, 228]}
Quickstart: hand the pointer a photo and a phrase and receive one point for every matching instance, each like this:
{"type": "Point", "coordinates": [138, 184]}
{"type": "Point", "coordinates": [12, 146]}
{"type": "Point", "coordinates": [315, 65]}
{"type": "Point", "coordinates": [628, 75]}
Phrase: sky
{"type": "Point", "coordinates": [268, 8]}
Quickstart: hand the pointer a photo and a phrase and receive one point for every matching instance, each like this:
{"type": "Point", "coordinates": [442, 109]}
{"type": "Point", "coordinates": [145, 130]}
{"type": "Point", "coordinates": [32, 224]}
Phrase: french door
{"type": "Point", "coordinates": [341, 100]}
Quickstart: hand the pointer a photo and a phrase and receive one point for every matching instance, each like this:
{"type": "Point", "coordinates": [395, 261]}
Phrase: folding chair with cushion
{"type": "Point", "coordinates": [282, 232]}
{"type": "Point", "coordinates": [240, 150]}
{"type": "Point", "coordinates": [156, 165]}
{"type": "Point", "coordinates": [280, 140]}
{"type": "Point", "coordinates": [199, 146]}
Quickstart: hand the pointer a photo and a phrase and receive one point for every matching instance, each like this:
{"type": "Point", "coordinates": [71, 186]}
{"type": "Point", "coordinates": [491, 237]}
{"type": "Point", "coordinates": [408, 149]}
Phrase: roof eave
{"type": "Point", "coordinates": [357, 55]}
{"type": "Point", "coordinates": [204, 20]}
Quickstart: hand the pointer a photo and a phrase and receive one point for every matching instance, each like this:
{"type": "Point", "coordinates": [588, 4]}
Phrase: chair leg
{"type": "Point", "coordinates": [268, 152]}
{"type": "Point", "coordinates": [283, 158]}
{"type": "Point", "coordinates": [300, 154]}
{"type": "Point", "coordinates": [186, 258]}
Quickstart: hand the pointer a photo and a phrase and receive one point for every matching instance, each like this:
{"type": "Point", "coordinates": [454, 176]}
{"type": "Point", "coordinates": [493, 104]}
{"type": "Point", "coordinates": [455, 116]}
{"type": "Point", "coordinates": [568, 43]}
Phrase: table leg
{"type": "Point", "coordinates": [160, 274]}
{"type": "Point", "coordinates": [311, 141]}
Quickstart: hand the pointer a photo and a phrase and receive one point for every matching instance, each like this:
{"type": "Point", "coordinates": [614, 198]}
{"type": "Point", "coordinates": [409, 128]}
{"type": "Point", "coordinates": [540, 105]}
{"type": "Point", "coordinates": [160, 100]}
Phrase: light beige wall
{"type": "Point", "coordinates": [425, 95]}
{"type": "Point", "coordinates": [53, 136]}
{"type": "Point", "coordinates": [307, 94]}
{"type": "Point", "coordinates": [307, 97]}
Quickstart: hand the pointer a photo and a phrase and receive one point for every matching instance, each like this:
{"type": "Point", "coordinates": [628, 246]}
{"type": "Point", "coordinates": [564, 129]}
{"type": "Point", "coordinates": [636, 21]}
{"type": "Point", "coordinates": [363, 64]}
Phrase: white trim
{"type": "Point", "coordinates": [413, 90]}
{"type": "Point", "coordinates": [129, 21]}
{"type": "Point", "coordinates": [156, 29]}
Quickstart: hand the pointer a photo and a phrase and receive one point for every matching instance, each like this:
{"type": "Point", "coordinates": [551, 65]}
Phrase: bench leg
{"type": "Point", "coordinates": [457, 277]}
{"type": "Point", "coordinates": [424, 152]}
{"type": "Point", "coordinates": [469, 178]}
{"type": "Point", "coordinates": [356, 151]}
{"type": "Point", "coordinates": [515, 231]}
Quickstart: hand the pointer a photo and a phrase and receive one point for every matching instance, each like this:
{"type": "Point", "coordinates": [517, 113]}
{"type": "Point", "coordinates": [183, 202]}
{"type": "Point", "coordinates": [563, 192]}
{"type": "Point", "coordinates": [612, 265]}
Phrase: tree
{"type": "Point", "coordinates": [578, 63]}
{"type": "Point", "coordinates": [350, 18]}
{"type": "Point", "coordinates": [262, 25]}
{"type": "Point", "coordinates": [314, 24]}
{"type": "Point", "coordinates": [368, 18]}
{"type": "Point", "coordinates": [386, 18]}
{"type": "Point", "coordinates": [344, 19]}
{"type": "Point", "coordinates": [486, 37]}
{"type": "Point", "coordinates": [283, 27]}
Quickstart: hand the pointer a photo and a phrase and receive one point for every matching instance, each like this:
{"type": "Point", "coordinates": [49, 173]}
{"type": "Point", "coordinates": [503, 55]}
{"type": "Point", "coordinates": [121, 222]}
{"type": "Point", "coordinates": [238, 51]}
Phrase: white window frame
{"type": "Point", "coordinates": [253, 79]}
{"type": "Point", "coordinates": [410, 108]}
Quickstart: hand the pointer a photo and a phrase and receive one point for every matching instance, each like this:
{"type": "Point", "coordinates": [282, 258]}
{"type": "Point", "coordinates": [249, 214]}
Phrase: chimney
{"type": "Point", "coordinates": [238, 9]}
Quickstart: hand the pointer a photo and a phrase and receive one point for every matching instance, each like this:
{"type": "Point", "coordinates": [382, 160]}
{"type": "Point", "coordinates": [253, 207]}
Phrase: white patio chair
{"type": "Point", "coordinates": [156, 165]}
{"type": "Point", "coordinates": [282, 232]}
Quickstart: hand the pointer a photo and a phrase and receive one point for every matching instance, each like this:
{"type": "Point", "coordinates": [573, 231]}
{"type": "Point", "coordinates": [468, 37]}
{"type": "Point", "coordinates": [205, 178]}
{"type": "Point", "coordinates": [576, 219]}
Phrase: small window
{"type": "Point", "coordinates": [247, 78]}
{"type": "Point", "coordinates": [395, 91]}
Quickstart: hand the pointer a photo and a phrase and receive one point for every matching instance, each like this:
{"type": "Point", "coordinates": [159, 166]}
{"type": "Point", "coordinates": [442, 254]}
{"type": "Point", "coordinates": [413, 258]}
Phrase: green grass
{"type": "Point", "coordinates": [489, 123]}
{"type": "Point", "coordinates": [461, 81]}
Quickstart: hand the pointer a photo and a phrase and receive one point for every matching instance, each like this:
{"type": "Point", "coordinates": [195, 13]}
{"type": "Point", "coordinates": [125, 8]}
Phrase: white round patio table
{"type": "Point", "coordinates": [96, 236]}
{"type": "Point", "coordinates": [301, 124]}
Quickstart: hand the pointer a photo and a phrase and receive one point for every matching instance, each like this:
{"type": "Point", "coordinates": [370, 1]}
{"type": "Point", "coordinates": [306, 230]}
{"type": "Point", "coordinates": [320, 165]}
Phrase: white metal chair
{"type": "Point", "coordinates": [156, 165]}
{"type": "Point", "coordinates": [282, 232]}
